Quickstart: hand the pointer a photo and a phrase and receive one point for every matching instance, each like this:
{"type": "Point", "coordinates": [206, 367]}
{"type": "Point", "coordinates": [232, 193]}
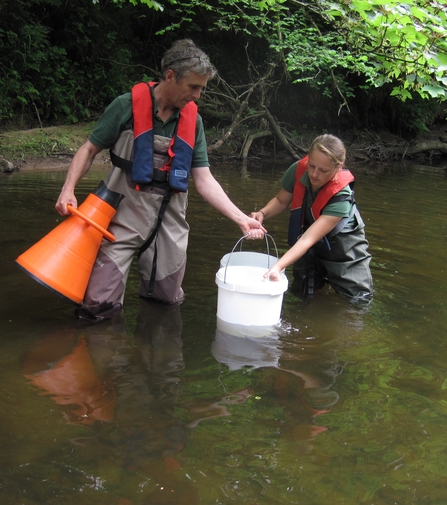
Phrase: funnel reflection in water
{"type": "Point", "coordinates": [72, 381]}
{"type": "Point", "coordinates": [147, 435]}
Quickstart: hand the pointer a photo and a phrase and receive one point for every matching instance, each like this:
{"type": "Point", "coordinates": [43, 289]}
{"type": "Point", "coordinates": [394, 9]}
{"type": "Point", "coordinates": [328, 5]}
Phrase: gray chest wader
{"type": "Point", "coordinates": [306, 278]}
{"type": "Point", "coordinates": [160, 180]}
{"type": "Point", "coordinates": [134, 226]}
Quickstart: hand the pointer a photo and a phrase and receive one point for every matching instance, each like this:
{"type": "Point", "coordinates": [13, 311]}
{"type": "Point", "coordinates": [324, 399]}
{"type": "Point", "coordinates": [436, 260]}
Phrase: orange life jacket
{"type": "Point", "coordinates": [180, 149]}
{"type": "Point", "coordinates": [325, 194]}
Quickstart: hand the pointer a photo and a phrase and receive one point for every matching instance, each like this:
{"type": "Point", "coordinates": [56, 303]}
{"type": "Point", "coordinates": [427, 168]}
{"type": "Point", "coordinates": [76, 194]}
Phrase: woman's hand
{"type": "Point", "coordinates": [274, 274]}
{"type": "Point", "coordinates": [258, 215]}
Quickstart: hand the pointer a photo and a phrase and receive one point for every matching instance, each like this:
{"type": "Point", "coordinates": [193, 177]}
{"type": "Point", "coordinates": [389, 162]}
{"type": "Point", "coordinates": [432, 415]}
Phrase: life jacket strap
{"type": "Point", "coordinates": [117, 161]}
{"type": "Point", "coordinates": [344, 221]}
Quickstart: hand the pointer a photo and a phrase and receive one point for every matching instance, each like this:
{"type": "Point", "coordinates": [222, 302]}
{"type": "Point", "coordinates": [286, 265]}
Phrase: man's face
{"type": "Point", "coordinates": [186, 89]}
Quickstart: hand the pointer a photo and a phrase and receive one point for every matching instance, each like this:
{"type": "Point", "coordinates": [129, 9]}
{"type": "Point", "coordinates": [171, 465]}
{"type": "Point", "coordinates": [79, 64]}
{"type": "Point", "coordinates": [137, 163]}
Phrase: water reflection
{"type": "Point", "coordinates": [98, 373]}
{"type": "Point", "coordinates": [304, 394]}
{"type": "Point", "coordinates": [340, 403]}
{"type": "Point", "coordinates": [71, 380]}
{"type": "Point", "coordinates": [239, 346]}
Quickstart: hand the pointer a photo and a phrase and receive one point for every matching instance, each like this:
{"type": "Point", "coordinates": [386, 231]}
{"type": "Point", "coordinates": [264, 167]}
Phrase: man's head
{"type": "Point", "coordinates": [185, 57]}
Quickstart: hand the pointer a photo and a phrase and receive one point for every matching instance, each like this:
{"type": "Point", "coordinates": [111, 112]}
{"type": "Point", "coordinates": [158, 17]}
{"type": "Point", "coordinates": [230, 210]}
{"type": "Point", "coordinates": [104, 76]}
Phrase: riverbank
{"type": "Point", "coordinates": [39, 148]}
{"type": "Point", "coordinates": [54, 147]}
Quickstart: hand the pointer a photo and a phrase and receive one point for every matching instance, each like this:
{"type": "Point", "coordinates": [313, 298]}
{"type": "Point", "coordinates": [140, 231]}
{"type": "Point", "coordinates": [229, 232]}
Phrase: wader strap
{"type": "Point", "coordinates": [342, 223]}
{"type": "Point", "coordinates": [311, 273]}
{"type": "Point", "coordinates": [146, 245]}
{"type": "Point", "coordinates": [117, 161]}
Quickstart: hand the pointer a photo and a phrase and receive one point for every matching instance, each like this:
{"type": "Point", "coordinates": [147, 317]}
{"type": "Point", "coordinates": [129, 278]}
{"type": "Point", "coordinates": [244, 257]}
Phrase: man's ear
{"type": "Point", "coordinates": [170, 76]}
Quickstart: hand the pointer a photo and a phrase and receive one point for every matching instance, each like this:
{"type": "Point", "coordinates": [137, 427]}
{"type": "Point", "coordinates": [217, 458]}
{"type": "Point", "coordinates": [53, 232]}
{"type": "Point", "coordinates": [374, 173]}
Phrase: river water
{"type": "Point", "coordinates": [339, 405]}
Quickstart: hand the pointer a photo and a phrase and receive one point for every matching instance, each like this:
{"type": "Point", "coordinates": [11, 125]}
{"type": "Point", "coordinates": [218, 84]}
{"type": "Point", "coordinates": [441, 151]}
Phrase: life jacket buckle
{"type": "Point", "coordinates": [160, 175]}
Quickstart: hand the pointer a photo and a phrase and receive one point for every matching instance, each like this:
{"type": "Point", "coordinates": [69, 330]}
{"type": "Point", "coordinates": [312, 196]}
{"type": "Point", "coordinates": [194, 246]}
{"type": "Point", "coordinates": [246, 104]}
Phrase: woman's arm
{"type": "Point", "coordinates": [316, 231]}
{"type": "Point", "coordinates": [274, 207]}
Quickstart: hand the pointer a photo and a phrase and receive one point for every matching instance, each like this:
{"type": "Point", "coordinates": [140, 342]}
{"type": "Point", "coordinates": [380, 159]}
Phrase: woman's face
{"type": "Point", "coordinates": [320, 168]}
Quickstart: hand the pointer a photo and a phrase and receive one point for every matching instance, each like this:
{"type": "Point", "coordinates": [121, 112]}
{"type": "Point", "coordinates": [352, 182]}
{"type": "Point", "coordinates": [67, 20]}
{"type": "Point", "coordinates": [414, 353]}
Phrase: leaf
{"type": "Point", "coordinates": [434, 91]}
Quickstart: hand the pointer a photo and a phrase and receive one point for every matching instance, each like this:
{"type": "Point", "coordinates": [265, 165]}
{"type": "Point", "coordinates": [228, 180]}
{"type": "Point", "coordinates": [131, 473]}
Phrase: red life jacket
{"type": "Point", "coordinates": [331, 188]}
{"type": "Point", "coordinates": [180, 149]}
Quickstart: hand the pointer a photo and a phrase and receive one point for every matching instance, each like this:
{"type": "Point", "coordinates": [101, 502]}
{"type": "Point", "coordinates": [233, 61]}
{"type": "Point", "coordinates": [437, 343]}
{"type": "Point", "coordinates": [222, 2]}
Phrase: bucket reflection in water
{"type": "Point", "coordinates": [239, 346]}
{"type": "Point", "coordinates": [305, 393]}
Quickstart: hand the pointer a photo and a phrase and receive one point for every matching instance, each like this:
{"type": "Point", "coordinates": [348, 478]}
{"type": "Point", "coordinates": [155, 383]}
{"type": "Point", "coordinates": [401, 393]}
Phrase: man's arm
{"type": "Point", "coordinates": [79, 166]}
{"type": "Point", "coordinates": [214, 194]}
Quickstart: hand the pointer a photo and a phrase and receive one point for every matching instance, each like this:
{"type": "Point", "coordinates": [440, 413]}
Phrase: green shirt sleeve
{"type": "Point", "coordinates": [116, 118]}
{"type": "Point", "coordinates": [288, 179]}
{"type": "Point", "coordinates": [200, 154]}
{"type": "Point", "coordinates": [339, 209]}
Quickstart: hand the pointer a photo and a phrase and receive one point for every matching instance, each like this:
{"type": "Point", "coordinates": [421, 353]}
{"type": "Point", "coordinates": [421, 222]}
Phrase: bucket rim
{"type": "Point", "coordinates": [225, 279]}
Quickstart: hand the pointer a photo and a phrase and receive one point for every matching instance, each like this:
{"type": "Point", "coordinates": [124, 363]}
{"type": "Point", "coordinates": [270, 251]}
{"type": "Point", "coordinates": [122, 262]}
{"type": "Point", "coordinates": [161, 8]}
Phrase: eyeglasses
{"type": "Point", "coordinates": [200, 58]}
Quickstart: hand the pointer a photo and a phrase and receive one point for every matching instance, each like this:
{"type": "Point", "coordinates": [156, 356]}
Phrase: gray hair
{"type": "Point", "coordinates": [184, 57]}
{"type": "Point", "coordinates": [332, 146]}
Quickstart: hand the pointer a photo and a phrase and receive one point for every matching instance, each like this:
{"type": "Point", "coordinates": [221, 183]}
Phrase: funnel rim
{"type": "Point", "coordinates": [45, 285]}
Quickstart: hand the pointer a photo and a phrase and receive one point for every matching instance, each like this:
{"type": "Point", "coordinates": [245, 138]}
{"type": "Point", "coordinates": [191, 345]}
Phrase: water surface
{"type": "Point", "coordinates": [339, 405]}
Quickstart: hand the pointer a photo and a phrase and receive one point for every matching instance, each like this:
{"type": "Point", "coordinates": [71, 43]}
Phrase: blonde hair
{"type": "Point", "coordinates": [332, 146]}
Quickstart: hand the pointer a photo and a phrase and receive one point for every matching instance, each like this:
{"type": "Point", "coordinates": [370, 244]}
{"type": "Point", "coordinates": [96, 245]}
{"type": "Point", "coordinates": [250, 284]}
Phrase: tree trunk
{"type": "Point", "coordinates": [280, 135]}
{"type": "Point", "coordinates": [425, 146]}
{"type": "Point", "coordinates": [380, 152]}
{"type": "Point", "coordinates": [249, 141]}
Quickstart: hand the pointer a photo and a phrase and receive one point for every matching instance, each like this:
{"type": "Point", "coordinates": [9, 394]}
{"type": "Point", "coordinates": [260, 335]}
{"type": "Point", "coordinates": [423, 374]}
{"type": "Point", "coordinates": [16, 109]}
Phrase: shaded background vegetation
{"type": "Point", "coordinates": [63, 61]}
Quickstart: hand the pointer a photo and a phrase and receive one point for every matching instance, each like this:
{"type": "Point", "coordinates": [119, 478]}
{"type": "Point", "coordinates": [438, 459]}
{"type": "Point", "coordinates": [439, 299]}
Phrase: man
{"type": "Point", "coordinates": [157, 141]}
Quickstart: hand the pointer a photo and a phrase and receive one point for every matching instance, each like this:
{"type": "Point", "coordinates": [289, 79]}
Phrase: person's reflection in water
{"type": "Point", "coordinates": [304, 393]}
{"type": "Point", "coordinates": [145, 436]}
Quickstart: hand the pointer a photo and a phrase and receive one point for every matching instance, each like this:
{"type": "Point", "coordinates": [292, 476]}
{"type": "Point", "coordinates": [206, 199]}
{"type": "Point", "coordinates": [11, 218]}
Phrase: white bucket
{"type": "Point", "coordinates": [246, 298]}
{"type": "Point", "coordinates": [253, 259]}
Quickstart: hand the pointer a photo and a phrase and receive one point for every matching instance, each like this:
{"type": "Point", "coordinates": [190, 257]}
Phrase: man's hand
{"type": "Point", "coordinates": [65, 198]}
{"type": "Point", "coordinates": [79, 165]}
{"type": "Point", "coordinates": [252, 228]}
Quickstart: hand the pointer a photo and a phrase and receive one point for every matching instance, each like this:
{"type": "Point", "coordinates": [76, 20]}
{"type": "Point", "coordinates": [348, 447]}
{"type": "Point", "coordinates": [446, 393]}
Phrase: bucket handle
{"type": "Point", "coordinates": [240, 242]}
{"type": "Point", "coordinates": [92, 223]}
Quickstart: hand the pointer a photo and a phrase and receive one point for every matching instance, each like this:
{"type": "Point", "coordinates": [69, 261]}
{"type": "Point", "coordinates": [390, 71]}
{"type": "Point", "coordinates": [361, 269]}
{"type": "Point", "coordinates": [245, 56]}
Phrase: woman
{"type": "Point", "coordinates": [326, 231]}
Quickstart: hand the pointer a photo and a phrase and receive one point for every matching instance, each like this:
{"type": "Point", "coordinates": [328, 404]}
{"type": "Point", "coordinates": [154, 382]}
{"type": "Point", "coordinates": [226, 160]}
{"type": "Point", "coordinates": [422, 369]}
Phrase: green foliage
{"type": "Point", "coordinates": [405, 42]}
{"type": "Point", "coordinates": [323, 42]}
{"type": "Point", "coordinates": [341, 50]}
{"type": "Point", "coordinates": [65, 61]}
{"type": "Point", "coordinates": [319, 59]}
{"type": "Point", "coordinates": [60, 61]}
{"type": "Point", "coordinates": [152, 4]}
